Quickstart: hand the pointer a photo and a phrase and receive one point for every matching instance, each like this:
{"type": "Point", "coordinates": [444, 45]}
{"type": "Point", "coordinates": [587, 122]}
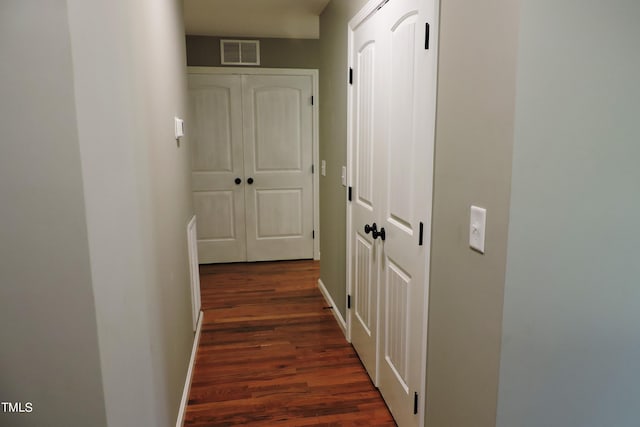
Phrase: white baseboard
{"type": "Point", "coordinates": [192, 363]}
{"type": "Point", "coordinates": [336, 313]}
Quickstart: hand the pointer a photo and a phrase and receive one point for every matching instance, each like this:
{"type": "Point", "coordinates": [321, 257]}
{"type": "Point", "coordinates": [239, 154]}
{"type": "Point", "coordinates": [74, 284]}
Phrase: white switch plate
{"type": "Point", "coordinates": [323, 168]}
{"type": "Point", "coordinates": [179, 127]}
{"type": "Point", "coordinates": [344, 176]}
{"type": "Point", "coordinates": [477, 226]}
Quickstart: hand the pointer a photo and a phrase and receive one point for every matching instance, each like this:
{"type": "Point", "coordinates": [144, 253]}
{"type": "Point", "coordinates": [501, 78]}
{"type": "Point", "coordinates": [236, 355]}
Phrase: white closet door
{"type": "Point", "coordinates": [407, 166]}
{"type": "Point", "coordinates": [392, 162]}
{"type": "Point", "coordinates": [278, 158]}
{"type": "Point", "coordinates": [367, 131]}
{"type": "Point", "coordinates": [215, 135]}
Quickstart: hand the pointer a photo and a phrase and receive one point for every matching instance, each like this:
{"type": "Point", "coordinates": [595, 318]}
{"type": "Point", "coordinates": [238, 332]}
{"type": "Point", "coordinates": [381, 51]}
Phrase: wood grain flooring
{"type": "Point", "coordinates": [270, 354]}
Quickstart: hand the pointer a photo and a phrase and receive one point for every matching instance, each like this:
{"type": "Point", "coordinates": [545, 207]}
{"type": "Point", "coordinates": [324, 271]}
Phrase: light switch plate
{"type": "Point", "coordinates": [344, 176]}
{"type": "Point", "coordinates": [179, 127]}
{"type": "Point", "coordinates": [323, 168]}
{"type": "Point", "coordinates": [477, 225]}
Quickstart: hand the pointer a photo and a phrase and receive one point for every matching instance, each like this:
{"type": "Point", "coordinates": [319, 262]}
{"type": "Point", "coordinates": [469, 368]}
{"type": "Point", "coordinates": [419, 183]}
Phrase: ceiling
{"type": "Point", "coordinates": [254, 18]}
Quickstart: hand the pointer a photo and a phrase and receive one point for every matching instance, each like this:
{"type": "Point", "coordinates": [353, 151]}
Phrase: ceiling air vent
{"type": "Point", "coordinates": [240, 52]}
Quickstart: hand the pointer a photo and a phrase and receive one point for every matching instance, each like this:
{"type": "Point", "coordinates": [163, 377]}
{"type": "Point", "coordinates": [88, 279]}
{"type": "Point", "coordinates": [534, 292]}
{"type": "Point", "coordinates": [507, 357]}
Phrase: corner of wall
{"type": "Point", "coordinates": [333, 145]}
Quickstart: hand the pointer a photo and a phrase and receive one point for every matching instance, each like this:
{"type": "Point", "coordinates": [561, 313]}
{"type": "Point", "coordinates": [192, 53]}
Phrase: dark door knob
{"type": "Point", "coordinates": [382, 234]}
{"type": "Point", "coordinates": [369, 228]}
{"type": "Point", "coordinates": [237, 181]}
{"type": "Point", "coordinates": [250, 181]}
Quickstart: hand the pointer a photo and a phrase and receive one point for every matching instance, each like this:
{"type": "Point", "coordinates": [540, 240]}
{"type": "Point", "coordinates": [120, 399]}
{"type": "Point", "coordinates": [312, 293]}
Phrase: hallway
{"type": "Point", "coordinates": [271, 354]}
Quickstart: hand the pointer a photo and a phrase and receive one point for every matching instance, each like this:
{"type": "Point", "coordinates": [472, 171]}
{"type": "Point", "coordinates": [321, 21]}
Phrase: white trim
{"type": "Point", "coordinates": [349, 285]}
{"type": "Point", "coordinates": [187, 384]}
{"type": "Point", "coordinates": [364, 13]}
{"type": "Point", "coordinates": [336, 313]}
{"type": "Point", "coordinates": [316, 165]}
{"type": "Point", "coordinates": [254, 71]}
{"type": "Point", "coordinates": [194, 273]}
{"type": "Point", "coordinates": [314, 74]}
{"type": "Point", "coordinates": [434, 18]}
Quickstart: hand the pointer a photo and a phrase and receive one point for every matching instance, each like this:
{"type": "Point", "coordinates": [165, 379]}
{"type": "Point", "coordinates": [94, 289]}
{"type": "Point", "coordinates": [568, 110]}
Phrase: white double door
{"type": "Point", "coordinates": [392, 120]}
{"type": "Point", "coordinates": [252, 154]}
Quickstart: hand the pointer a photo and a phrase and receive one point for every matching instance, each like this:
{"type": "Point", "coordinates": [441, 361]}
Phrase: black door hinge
{"type": "Point", "coordinates": [415, 403]}
{"type": "Point", "coordinates": [381, 5]}
{"type": "Point", "coordinates": [311, 99]}
{"type": "Point", "coordinates": [348, 301]}
{"type": "Point", "coordinates": [350, 192]}
{"type": "Point", "coordinates": [313, 169]}
{"type": "Point", "coordinates": [350, 75]}
{"type": "Point", "coordinates": [426, 36]}
{"type": "Point", "coordinates": [421, 236]}
{"type": "Point", "coordinates": [313, 234]}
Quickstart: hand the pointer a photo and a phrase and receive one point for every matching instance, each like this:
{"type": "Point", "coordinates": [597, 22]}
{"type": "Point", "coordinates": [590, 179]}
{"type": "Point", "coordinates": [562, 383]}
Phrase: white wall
{"type": "Point", "coordinates": [571, 332]}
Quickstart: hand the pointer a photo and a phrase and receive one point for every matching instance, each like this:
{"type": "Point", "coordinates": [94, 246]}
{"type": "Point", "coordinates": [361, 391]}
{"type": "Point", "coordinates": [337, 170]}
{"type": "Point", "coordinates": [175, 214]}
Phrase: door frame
{"type": "Point", "coordinates": [315, 125]}
{"type": "Point", "coordinates": [367, 10]}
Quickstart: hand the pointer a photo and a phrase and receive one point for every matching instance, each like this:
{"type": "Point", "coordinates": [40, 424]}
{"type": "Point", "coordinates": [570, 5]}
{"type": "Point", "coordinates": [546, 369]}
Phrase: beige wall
{"type": "Point", "coordinates": [204, 51]}
{"type": "Point", "coordinates": [94, 279]}
{"type": "Point", "coordinates": [571, 340]}
{"type": "Point", "coordinates": [333, 145]}
{"type": "Point", "coordinates": [49, 352]}
{"type": "Point", "coordinates": [129, 68]}
{"type": "Point", "coordinates": [474, 140]}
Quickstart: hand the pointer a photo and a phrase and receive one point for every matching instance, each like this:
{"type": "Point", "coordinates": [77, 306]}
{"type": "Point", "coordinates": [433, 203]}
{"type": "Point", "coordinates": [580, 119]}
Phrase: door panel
{"type": "Point", "coordinates": [365, 90]}
{"type": "Point", "coordinates": [397, 291]}
{"type": "Point", "coordinates": [283, 204]}
{"type": "Point", "coordinates": [278, 138]}
{"type": "Point", "coordinates": [278, 157]}
{"type": "Point", "coordinates": [362, 294]}
{"type": "Point", "coordinates": [215, 135]}
{"type": "Point", "coordinates": [212, 148]}
{"type": "Point", "coordinates": [408, 171]}
{"type": "Point", "coordinates": [401, 127]}
{"type": "Point", "coordinates": [219, 205]}
{"type": "Point", "coordinates": [364, 318]}
{"type": "Point", "coordinates": [368, 96]}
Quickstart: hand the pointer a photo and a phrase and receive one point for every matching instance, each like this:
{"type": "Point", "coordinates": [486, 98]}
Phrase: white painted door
{"type": "Point", "coordinates": [215, 135]}
{"type": "Point", "coordinates": [252, 155]}
{"type": "Point", "coordinates": [278, 159]}
{"type": "Point", "coordinates": [404, 165]}
{"type": "Point", "coordinates": [408, 169]}
{"type": "Point", "coordinates": [367, 132]}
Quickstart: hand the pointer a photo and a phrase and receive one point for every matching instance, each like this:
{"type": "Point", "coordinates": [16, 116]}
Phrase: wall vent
{"type": "Point", "coordinates": [239, 52]}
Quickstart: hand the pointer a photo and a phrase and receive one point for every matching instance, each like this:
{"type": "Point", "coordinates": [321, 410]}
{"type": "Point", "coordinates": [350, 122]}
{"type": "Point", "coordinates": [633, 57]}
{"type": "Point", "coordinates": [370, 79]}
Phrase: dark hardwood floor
{"type": "Point", "coordinates": [271, 355]}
